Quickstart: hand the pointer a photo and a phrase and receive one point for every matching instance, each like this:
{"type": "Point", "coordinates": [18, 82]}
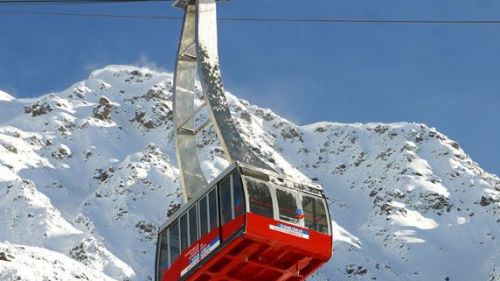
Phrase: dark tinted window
{"type": "Point", "coordinates": [212, 208]}
{"type": "Point", "coordinates": [193, 225]}
{"type": "Point", "coordinates": [315, 214]}
{"type": "Point", "coordinates": [260, 199]}
{"type": "Point", "coordinates": [184, 233]}
{"type": "Point", "coordinates": [164, 249]}
{"type": "Point", "coordinates": [174, 242]}
{"type": "Point", "coordinates": [288, 206]}
{"type": "Point", "coordinates": [203, 216]}
{"type": "Point", "coordinates": [225, 197]}
{"type": "Point", "coordinates": [238, 199]}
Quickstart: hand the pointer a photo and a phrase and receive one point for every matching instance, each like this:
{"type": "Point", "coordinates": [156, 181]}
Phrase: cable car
{"type": "Point", "coordinates": [248, 225]}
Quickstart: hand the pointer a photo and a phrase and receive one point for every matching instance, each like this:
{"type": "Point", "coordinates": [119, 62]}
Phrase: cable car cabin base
{"type": "Point", "coordinates": [249, 258]}
{"type": "Point", "coordinates": [249, 225]}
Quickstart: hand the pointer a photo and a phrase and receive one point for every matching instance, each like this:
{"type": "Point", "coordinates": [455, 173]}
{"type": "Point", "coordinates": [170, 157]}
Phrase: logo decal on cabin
{"type": "Point", "coordinates": [194, 259]}
{"type": "Point", "coordinates": [291, 230]}
{"type": "Point", "coordinates": [208, 248]}
{"type": "Point", "coordinates": [299, 214]}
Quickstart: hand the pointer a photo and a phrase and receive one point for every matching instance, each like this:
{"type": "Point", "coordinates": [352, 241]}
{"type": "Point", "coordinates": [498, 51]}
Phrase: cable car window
{"type": "Point", "coordinates": [193, 225]}
{"type": "Point", "coordinates": [212, 208]}
{"type": "Point", "coordinates": [287, 205]}
{"type": "Point", "coordinates": [225, 197]}
{"type": "Point", "coordinates": [163, 249]}
{"type": "Point", "coordinates": [315, 214]}
{"type": "Point", "coordinates": [174, 242]}
{"type": "Point", "coordinates": [259, 195]}
{"type": "Point", "coordinates": [184, 233]}
{"type": "Point", "coordinates": [238, 199]}
{"type": "Point", "coordinates": [203, 216]}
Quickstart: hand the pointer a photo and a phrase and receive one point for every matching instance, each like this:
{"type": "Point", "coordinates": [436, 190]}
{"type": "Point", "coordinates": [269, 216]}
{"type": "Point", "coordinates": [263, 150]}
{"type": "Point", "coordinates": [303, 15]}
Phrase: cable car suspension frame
{"type": "Point", "coordinates": [198, 53]}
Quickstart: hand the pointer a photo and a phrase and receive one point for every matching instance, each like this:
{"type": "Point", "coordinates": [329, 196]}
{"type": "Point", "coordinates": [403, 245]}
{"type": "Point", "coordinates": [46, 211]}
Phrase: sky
{"type": "Point", "coordinates": [446, 76]}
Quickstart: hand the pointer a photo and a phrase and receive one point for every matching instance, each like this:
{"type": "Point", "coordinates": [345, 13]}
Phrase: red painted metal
{"type": "Point", "coordinates": [192, 256]}
{"type": "Point", "coordinates": [231, 227]}
{"type": "Point", "coordinates": [267, 250]}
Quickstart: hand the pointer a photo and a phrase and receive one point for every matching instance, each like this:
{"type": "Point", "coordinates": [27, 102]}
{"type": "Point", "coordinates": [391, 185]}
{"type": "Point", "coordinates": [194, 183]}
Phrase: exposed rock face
{"type": "Point", "coordinates": [88, 175]}
{"type": "Point", "coordinates": [103, 110]}
{"type": "Point", "coordinates": [62, 152]}
{"type": "Point", "coordinates": [38, 108]}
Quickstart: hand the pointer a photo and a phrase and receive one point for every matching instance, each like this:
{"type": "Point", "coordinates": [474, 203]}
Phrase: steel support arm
{"type": "Point", "coordinates": [198, 53]}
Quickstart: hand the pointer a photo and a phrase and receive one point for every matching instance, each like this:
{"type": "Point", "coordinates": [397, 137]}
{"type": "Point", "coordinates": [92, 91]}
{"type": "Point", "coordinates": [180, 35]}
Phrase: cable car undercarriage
{"type": "Point", "coordinates": [249, 223]}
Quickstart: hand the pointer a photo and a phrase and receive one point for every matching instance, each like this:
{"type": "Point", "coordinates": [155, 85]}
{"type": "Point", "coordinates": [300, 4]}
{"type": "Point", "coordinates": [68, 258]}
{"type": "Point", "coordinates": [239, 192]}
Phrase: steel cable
{"type": "Point", "coordinates": [246, 19]}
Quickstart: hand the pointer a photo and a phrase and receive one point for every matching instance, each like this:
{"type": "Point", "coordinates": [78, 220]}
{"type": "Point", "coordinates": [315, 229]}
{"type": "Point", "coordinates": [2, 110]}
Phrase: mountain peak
{"type": "Point", "coordinates": [89, 174]}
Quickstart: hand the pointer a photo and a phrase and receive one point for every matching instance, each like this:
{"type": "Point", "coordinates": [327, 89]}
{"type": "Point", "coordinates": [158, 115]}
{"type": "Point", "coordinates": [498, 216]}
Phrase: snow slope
{"type": "Point", "coordinates": [5, 97]}
{"type": "Point", "coordinates": [88, 174]}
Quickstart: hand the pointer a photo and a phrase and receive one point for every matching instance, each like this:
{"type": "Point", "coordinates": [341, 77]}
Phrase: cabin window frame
{"type": "Point", "coordinates": [231, 187]}
{"type": "Point", "coordinates": [206, 216]}
{"type": "Point", "coordinates": [323, 202]}
{"type": "Point", "coordinates": [222, 206]}
{"type": "Point", "coordinates": [276, 211]}
{"type": "Point", "coordinates": [216, 209]}
{"type": "Point", "coordinates": [191, 242]}
{"type": "Point", "coordinates": [177, 223]}
{"type": "Point", "coordinates": [270, 188]}
{"type": "Point", "coordinates": [164, 236]}
{"type": "Point", "coordinates": [298, 204]}
{"type": "Point", "coordinates": [182, 238]}
{"type": "Point", "coordinates": [168, 249]}
{"type": "Point", "coordinates": [299, 198]}
{"type": "Point", "coordinates": [237, 176]}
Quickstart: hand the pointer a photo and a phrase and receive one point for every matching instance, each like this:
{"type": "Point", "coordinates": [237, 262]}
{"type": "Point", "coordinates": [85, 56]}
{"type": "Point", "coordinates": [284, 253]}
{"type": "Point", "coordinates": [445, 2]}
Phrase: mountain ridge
{"type": "Point", "coordinates": [89, 173]}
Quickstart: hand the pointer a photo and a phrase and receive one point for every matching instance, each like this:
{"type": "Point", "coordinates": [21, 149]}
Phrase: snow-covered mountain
{"type": "Point", "coordinates": [88, 174]}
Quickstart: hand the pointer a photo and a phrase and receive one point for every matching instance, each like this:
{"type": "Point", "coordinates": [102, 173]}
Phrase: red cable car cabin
{"type": "Point", "coordinates": [249, 225]}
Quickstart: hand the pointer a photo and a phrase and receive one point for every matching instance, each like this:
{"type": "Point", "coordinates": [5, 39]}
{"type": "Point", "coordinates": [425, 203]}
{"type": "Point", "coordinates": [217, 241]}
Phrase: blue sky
{"type": "Point", "coordinates": [447, 76]}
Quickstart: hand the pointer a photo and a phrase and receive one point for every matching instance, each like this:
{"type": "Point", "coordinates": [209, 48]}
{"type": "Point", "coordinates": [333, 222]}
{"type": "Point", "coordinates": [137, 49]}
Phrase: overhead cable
{"type": "Point", "coordinates": [90, 15]}
{"type": "Point", "coordinates": [74, 2]}
{"type": "Point", "coordinates": [247, 19]}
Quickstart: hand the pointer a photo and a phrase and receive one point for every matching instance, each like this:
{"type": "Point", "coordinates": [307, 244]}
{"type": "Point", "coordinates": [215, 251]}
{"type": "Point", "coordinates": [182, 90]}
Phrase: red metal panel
{"type": "Point", "coordinates": [231, 227]}
{"type": "Point", "coordinates": [192, 256]}
{"type": "Point", "coordinates": [314, 243]}
{"type": "Point", "coordinates": [267, 251]}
